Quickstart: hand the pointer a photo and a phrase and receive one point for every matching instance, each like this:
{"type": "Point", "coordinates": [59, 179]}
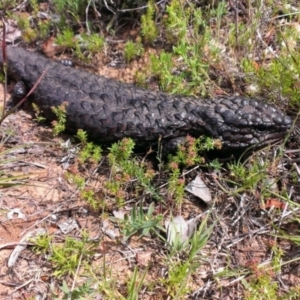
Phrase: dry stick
{"type": "Point", "coordinates": [76, 275]}
{"type": "Point", "coordinates": [4, 68]}
{"type": "Point", "coordinates": [24, 99]}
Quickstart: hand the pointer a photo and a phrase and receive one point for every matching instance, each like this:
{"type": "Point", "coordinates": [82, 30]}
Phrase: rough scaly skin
{"type": "Point", "coordinates": [110, 110]}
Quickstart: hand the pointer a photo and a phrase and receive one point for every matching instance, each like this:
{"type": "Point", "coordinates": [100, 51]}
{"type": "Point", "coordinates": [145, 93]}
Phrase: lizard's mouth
{"type": "Point", "coordinates": [257, 138]}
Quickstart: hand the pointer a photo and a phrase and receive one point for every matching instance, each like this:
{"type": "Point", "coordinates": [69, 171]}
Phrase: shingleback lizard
{"type": "Point", "coordinates": [110, 110]}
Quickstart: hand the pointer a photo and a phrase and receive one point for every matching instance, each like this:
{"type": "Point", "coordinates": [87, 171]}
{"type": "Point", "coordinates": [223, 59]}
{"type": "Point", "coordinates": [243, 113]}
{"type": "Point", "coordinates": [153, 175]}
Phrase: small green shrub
{"type": "Point", "coordinates": [148, 26]}
{"type": "Point", "coordinates": [66, 39]}
{"type": "Point", "coordinates": [93, 42]}
{"type": "Point", "coordinates": [125, 168]}
{"type": "Point", "coordinates": [187, 155]}
{"type": "Point", "coordinates": [59, 125]}
{"type": "Point", "coordinates": [141, 223]}
{"type": "Point", "coordinates": [133, 50]}
{"type": "Point", "coordinates": [69, 11]}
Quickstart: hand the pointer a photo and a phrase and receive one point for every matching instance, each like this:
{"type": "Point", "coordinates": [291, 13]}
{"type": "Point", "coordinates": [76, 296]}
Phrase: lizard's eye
{"type": "Point", "coordinates": [261, 128]}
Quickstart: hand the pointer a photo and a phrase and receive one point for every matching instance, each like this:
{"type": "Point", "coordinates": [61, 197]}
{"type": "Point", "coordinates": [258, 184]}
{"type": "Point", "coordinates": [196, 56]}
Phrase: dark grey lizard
{"type": "Point", "coordinates": [110, 110]}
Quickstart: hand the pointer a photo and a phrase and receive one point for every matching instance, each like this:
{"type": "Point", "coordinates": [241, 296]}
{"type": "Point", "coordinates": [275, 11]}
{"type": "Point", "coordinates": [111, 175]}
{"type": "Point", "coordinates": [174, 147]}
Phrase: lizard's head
{"type": "Point", "coordinates": [242, 123]}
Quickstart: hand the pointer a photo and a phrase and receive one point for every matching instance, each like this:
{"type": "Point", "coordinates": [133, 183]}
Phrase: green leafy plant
{"type": "Point", "coordinates": [261, 287]}
{"type": "Point", "coordinates": [92, 199]}
{"type": "Point", "coordinates": [180, 271]}
{"type": "Point", "coordinates": [42, 243]}
{"type": "Point", "coordinates": [89, 153]}
{"type": "Point", "coordinates": [280, 76]}
{"type": "Point", "coordinates": [135, 284]}
{"type": "Point", "coordinates": [261, 284]}
{"type": "Point", "coordinates": [78, 293]}
{"type": "Point", "coordinates": [188, 154]}
{"type": "Point", "coordinates": [28, 34]}
{"type": "Point", "coordinates": [92, 42]}
{"type": "Point", "coordinates": [76, 179]}
{"type": "Point", "coordinates": [34, 5]}
{"type": "Point", "coordinates": [148, 26]}
{"type": "Point", "coordinates": [67, 257]}
{"type": "Point", "coordinates": [124, 168]}
{"type": "Point", "coordinates": [139, 222]}
{"type": "Point", "coordinates": [5, 4]}
{"type": "Point", "coordinates": [162, 67]}
{"type": "Point", "coordinates": [66, 39]}
{"type": "Point", "coordinates": [59, 125]}
{"type": "Point", "coordinates": [70, 11]}
{"type": "Point", "coordinates": [133, 50]}
{"type": "Point", "coordinates": [89, 150]}
{"type": "Point", "coordinates": [38, 113]}
{"type": "Point", "coordinates": [177, 21]}
{"type": "Point", "coordinates": [43, 29]}
{"type": "Point", "coordinates": [248, 176]}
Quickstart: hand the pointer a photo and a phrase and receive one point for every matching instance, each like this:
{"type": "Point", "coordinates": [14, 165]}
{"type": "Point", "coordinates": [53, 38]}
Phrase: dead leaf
{"type": "Point", "coordinates": [68, 226]}
{"type": "Point", "coordinates": [50, 49]}
{"type": "Point", "coordinates": [273, 202]}
{"type": "Point", "coordinates": [15, 211]}
{"type": "Point", "coordinates": [177, 230]}
{"type": "Point", "coordinates": [199, 189]}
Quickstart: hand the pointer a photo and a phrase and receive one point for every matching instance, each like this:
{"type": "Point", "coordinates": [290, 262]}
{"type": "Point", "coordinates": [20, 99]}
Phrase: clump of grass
{"type": "Point", "coordinates": [148, 25]}
{"type": "Point", "coordinates": [42, 243]}
{"type": "Point", "coordinates": [70, 11]}
{"type": "Point", "coordinates": [140, 79]}
{"type": "Point", "coordinates": [59, 125]}
{"type": "Point", "coordinates": [188, 154]}
{"type": "Point", "coordinates": [280, 76]}
{"type": "Point", "coordinates": [125, 168]}
{"type": "Point", "coordinates": [185, 69]}
{"type": "Point", "coordinates": [141, 223]}
{"type": "Point", "coordinates": [262, 284]}
{"type": "Point", "coordinates": [133, 50]}
{"type": "Point", "coordinates": [67, 256]}
{"type": "Point", "coordinates": [8, 178]}
{"type": "Point", "coordinates": [80, 292]}
{"type": "Point", "coordinates": [38, 113]}
{"type": "Point", "coordinates": [181, 270]}
{"type": "Point", "coordinates": [5, 4]}
{"type": "Point", "coordinates": [93, 42]}
{"type": "Point", "coordinates": [28, 34]}
{"type": "Point", "coordinates": [248, 176]}
{"type": "Point", "coordinates": [89, 151]}
{"type": "Point", "coordinates": [66, 39]}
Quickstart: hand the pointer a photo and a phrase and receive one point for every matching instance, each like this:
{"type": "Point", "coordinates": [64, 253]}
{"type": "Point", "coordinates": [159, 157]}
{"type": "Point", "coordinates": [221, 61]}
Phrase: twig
{"type": "Point", "coordinates": [24, 99]}
{"type": "Point", "coordinates": [4, 68]}
{"type": "Point", "coordinates": [11, 245]}
{"type": "Point", "coordinates": [22, 285]}
{"type": "Point", "coordinates": [75, 277]}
